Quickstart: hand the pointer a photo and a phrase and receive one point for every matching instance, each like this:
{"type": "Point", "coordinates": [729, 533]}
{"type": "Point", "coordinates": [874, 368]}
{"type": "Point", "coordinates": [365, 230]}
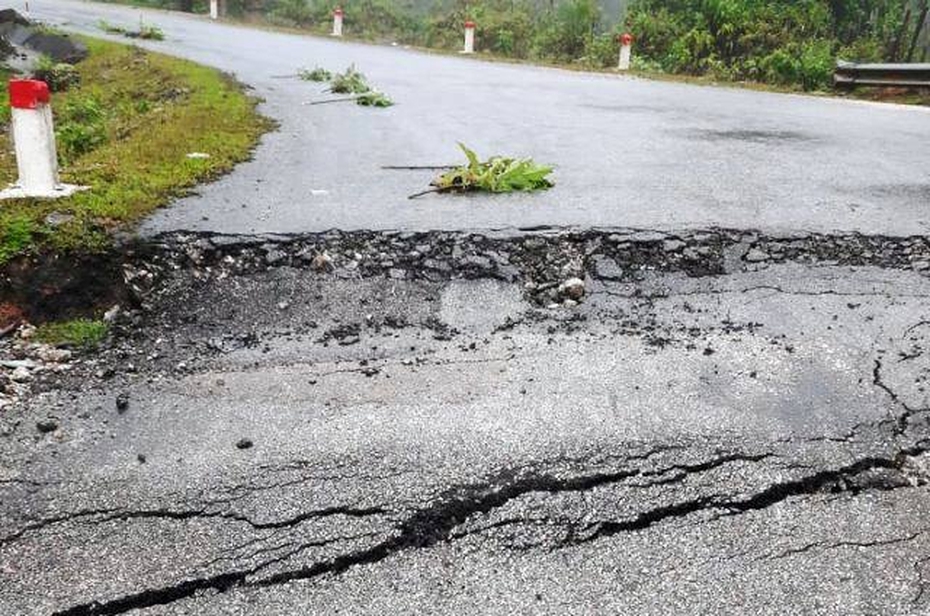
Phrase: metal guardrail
{"type": "Point", "coordinates": [850, 75]}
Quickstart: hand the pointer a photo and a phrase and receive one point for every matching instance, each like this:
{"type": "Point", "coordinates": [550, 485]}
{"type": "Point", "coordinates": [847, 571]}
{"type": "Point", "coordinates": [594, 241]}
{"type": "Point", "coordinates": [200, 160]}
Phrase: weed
{"type": "Point", "coordinates": [318, 74]}
{"type": "Point", "coordinates": [350, 82]}
{"type": "Point", "coordinates": [152, 33]}
{"type": "Point", "coordinates": [81, 128]}
{"type": "Point", "coordinates": [85, 334]}
{"type": "Point", "coordinates": [498, 174]}
{"type": "Point", "coordinates": [58, 75]}
{"type": "Point", "coordinates": [373, 99]}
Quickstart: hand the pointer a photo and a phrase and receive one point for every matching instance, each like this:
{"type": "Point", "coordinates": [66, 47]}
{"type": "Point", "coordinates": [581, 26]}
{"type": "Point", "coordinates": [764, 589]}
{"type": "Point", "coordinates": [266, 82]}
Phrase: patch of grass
{"type": "Point", "coordinates": [125, 131]}
{"type": "Point", "coordinates": [498, 174]}
{"type": "Point", "coordinates": [350, 82]}
{"type": "Point", "coordinates": [80, 333]}
{"type": "Point", "coordinates": [318, 74]}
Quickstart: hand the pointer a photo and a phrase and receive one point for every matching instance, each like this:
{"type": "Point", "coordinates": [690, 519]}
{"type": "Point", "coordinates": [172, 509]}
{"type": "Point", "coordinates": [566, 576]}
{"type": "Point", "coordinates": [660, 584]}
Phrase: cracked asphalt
{"type": "Point", "coordinates": [286, 420]}
{"type": "Point", "coordinates": [709, 431]}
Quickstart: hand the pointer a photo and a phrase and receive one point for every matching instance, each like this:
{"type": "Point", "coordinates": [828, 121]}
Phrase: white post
{"type": "Point", "coordinates": [626, 51]}
{"type": "Point", "coordinates": [469, 37]}
{"type": "Point", "coordinates": [26, 13]}
{"type": "Point", "coordinates": [214, 9]}
{"type": "Point", "coordinates": [34, 142]}
{"type": "Point", "coordinates": [337, 22]}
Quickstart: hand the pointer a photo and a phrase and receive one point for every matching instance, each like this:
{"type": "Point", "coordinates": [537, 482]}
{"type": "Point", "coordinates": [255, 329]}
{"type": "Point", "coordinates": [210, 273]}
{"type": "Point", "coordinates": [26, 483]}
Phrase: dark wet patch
{"type": "Point", "coordinates": [776, 137]}
{"type": "Point", "coordinates": [60, 287]}
{"type": "Point", "coordinates": [907, 191]}
{"type": "Point", "coordinates": [620, 108]}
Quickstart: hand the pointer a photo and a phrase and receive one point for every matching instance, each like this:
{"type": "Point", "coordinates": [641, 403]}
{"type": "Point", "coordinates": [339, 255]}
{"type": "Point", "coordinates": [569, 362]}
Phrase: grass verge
{"type": "Point", "coordinates": [126, 131]}
{"type": "Point", "coordinates": [84, 334]}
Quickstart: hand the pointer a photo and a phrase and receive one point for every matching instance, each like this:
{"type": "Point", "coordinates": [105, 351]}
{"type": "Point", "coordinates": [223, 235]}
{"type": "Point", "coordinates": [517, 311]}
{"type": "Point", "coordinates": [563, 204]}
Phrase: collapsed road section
{"type": "Point", "coordinates": [613, 421]}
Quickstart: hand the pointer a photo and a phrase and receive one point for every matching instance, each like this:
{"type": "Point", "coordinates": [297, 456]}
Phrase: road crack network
{"type": "Point", "coordinates": [437, 521]}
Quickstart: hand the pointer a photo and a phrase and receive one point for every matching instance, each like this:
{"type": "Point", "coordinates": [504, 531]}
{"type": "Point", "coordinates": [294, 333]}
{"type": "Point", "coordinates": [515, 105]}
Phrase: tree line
{"type": "Point", "coordinates": [791, 43]}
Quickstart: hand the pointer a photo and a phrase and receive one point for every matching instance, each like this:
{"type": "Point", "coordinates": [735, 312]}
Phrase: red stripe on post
{"type": "Point", "coordinates": [470, 25]}
{"type": "Point", "coordinates": [338, 12]}
{"type": "Point", "coordinates": [626, 39]}
{"type": "Point", "coordinates": [28, 93]}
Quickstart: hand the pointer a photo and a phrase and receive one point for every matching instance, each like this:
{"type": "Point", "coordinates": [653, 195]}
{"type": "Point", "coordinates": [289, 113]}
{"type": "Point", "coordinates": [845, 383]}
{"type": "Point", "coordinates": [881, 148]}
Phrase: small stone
{"type": "Point", "coordinates": [573, 288]}
{"type": "Point", "coordinates": [672, 245]}
{"type": "Point", "coordinates": [755, 255]}
{"type": "Point", "coordinates": [244, 443]}
{"type": "Point", "coordinates": [53, 356]}
{"type": "Point", "coordinates": [46, 425]}
{"type": "Point", "coordinates": [322, 262]}
{"type": "Point", "coordinates": [141, 458]}
{"type": "Point", "coordinates": [21, 375]}
{"type": "Point", "coordinates": [606, 268]}
{"type": "Point", "coordinates": [921, 266]}
{"type": "Point", "coordinates": [284, 305]}
{"type": "Point", "coordinates": [122, 403]}
{"type": "Point", "coordinates": [569, 303]}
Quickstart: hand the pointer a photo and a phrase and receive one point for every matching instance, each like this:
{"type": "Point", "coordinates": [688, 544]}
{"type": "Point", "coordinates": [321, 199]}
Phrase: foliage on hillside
{"type": "Point", "coordinates": [792, 43]}
{"type": "Point", "coordinates": [785, 42]}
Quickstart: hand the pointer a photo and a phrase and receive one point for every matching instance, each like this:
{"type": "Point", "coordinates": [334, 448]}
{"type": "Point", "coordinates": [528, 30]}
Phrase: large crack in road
{"type": "Point", "coordinates": [717, 403]}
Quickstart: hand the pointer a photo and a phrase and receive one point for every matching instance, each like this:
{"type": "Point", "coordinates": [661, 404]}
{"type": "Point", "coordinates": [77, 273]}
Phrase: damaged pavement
{"type": "Point", "coordinates": [352, 422]}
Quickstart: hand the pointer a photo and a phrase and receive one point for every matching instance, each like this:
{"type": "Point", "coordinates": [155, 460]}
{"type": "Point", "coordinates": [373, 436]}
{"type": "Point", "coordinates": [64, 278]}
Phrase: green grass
{"type": "Point", "coordinates": [80, 333]}
{"type": "Point", "coordinates": [156, 110]}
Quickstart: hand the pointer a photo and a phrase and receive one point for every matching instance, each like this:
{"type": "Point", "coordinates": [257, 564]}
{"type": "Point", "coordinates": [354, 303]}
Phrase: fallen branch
{"type": "Point", "coordinates": [429, 192]}
{"type": "Point", "coordinates": [418, 167]}
{"type": "Point", "coordinates": [9, 329]}
{"type": "Point", "coordinates": [498, 174]}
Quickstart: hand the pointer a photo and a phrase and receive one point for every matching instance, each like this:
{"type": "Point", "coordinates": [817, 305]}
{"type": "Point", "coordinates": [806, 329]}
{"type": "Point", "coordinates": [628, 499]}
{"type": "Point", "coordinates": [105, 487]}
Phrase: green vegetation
{"type": "Point", "coordinates": [318, 74]}
{"type": "Point", "coordinates": [145, 31]}
{"type": "Point", "coordinates": [373, 99]}
{"type": "Point", "coordinates": [349, 82]}
{"type": "Point", "coordinates": [781, 42]}
{"type": "Point", "coordinates": [126, 131]}
{"type": "Point", "coordinates": [785, 43]}
{"type": "Point", "coordinates": [85, 334]}
{"type": "Point", "coordinates": [497, 175]}
{"type": "Point", "coordinates": [58, 75]}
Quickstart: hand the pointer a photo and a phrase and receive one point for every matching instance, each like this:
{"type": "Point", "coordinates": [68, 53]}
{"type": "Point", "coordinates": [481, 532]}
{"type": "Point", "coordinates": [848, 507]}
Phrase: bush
{"type": "Point", "coordinates": [816, 65]}
{"type": "Point", "coordinates": [81, 128]}
{"type": "Point", "coordinates": [58, 75]}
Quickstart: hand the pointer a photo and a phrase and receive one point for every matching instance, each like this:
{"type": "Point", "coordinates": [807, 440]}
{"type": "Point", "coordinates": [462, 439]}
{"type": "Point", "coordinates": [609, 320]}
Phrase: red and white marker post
{"type": "Point", "coordinates": [34, 142]}
{"type": "Point", "coordinates": [469, 37]}
{"type": "Point", "coordinates": [626, 51]}
{"type": "Point", "coordinates": [338, 15]}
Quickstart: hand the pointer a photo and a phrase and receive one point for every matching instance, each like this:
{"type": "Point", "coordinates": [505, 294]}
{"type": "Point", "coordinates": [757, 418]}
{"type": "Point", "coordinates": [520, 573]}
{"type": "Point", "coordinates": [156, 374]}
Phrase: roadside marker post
{"type": "Point", "coordinates": [469, 37]}
{"type": "Point", "coordinates": [338, 15]}
{"type": "Point", "coordinates": [626, 51]}
{"type": "Point", "coordinates": [34, 142]}
{"type": "Point", "coordinates": [214, 9]}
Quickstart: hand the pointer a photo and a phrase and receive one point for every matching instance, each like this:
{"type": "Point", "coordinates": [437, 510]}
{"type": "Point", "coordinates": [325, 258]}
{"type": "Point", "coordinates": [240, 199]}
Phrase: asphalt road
{"type": "Point", "coordinates": [427, 437]}
{"type": "Point", "coordinates": [629, 152]}
{"type": "Point", "coordinates": [729, 422]}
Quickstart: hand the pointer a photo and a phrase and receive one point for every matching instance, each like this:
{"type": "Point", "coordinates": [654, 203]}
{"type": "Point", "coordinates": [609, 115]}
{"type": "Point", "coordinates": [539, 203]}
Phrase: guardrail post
{"type": "Point", "coordinates": [469, 37]}
{"type": "Point", "coordinates": [337, 22]}
{"type": "Point", "coordinates": [626, 51]}
{"type": "Point", "coordinates": [34, 142]}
